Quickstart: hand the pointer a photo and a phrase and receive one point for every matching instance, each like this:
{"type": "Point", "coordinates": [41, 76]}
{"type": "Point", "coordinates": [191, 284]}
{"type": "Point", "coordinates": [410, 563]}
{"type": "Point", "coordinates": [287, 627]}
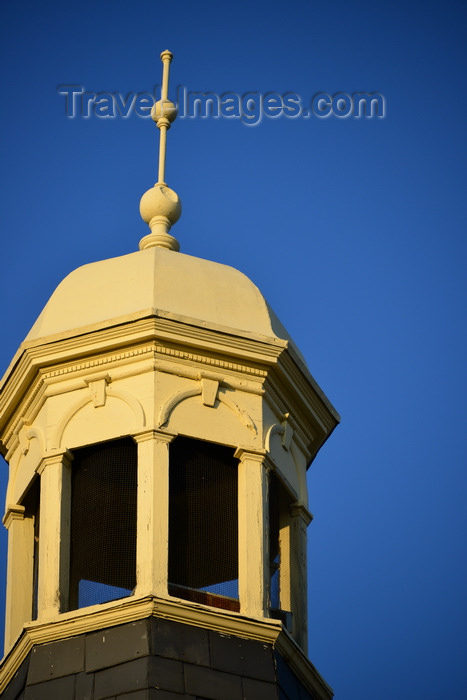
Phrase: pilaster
{"type": "Point", "coordinates": [152, 539]}
{"type": "Point", "coordinates": [54, 534]}
{"type": "Point", "coordinates": [19, 591]}
{"type": "Point", "coordinates": [300, 518]}
{"type": "Point", "coordinates": [252, 533]}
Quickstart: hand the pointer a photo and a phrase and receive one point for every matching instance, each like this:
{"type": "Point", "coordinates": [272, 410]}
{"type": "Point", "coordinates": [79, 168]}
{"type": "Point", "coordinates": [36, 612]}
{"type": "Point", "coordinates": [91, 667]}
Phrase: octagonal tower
{"type": "Point", "coordinates": [158, 422]}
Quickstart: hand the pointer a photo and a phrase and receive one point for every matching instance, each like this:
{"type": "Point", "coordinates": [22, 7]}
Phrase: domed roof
{"type": "Point", "coordinates": [156, 282]}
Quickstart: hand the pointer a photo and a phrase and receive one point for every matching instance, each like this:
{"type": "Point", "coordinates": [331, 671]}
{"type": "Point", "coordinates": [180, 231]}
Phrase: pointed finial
{"type": "Point", "coordinates": [160, 207]}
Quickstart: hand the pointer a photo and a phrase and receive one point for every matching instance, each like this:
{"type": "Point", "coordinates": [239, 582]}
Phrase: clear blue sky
{"type": "Point", "coordinates": [354, 230]}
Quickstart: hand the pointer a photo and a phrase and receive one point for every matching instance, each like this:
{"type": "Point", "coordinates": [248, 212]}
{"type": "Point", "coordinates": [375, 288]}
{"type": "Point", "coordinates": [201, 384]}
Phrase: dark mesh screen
{"type": "Point", "coordinates": [203, 525]}
{"type": "Point", "coordinates": [103, 523]}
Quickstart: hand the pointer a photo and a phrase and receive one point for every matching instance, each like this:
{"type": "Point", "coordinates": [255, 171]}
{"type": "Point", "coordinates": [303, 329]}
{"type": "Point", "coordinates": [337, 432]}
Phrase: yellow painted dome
{"type": "Point", "coordinates": [156, 282]}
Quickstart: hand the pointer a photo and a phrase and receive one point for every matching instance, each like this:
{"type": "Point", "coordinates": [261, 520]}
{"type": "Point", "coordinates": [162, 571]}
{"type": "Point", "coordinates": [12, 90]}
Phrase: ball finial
{"type": "Point", "coordinates": [160, 208]}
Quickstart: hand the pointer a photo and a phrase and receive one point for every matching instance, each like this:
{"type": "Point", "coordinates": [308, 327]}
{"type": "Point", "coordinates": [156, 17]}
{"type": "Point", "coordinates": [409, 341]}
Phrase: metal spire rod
{"type": "Point", "coordinates": [165, 114]}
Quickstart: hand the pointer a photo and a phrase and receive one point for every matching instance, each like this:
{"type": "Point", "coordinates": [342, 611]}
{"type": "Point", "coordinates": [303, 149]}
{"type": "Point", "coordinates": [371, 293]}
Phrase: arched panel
{"type": "Point", "coordinates": [221, 423]}
{"type": "Point", "coordinates": [84, 423]}
{"type": "Point", "coordinates": [170, 404]}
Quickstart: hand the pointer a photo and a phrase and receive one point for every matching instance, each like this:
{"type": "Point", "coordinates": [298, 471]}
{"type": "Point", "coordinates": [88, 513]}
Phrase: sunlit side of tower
{"type": "Point", "coordinates": [158, 422]}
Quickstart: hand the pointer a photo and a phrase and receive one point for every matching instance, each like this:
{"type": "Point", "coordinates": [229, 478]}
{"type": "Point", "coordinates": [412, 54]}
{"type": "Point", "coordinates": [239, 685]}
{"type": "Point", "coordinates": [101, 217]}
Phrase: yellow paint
{"type": "Point", "coordinates": [152, 345]}
{"type": "Point", "coordinates": [18, 606]}
{"type": "Point", "coordinates": [153, 513]}
{"type": "Point", "coordinates": [54, 535]}
{"type": "Point", "coordinates": [252, 534]}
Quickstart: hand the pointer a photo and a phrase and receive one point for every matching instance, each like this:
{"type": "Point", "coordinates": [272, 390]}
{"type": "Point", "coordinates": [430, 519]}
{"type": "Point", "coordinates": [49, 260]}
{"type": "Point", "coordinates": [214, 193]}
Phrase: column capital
{"type": "Point", "coordinates": [158, 435]}
{"type": "Point", "coordinates": [244, 453]}
{"type": "Point", "coordinates": [299, 510]}
{"type": "Point", "coordinates": [13, 512]}
{"type": "Point", "coordinates": [60, 458]}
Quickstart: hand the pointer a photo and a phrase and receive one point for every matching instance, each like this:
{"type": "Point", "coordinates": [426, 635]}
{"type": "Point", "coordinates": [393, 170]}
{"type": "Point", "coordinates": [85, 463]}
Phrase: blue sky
{"type": "Point", "coordinates": [354, 230]}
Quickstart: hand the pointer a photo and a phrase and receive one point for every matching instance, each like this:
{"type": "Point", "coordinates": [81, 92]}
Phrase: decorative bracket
{"type": "Point", "coordinates": [284, 429]}
{"type": "Point", "coordinates": [209, 388]}
{"type": "Point", "coordinates": [24, 436]}
{"type": "Point", "coordinates": [98, 388]}
{"type": "Point", "coordinates": [287, 433]}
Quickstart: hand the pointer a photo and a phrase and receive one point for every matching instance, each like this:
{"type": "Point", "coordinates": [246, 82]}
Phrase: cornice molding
{"type": "Point", "coordinates": [40, 369]}
{"type": "Point", "coordinates": [216, 362]}
{"type": "Point", "coordinates": [308, 389]}
{"type": "Point", "coordinates": [64, 356]}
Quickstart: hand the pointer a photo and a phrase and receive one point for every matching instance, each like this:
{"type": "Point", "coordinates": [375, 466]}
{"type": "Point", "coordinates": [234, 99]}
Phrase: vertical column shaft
{"type": "Point", "coordinates": [252, 533]}
{"type": "Point", "coordinates": [152, 544]}
{"type": "Point", "coordinates": [19, 592]}
{"type": "Point", "coordinates": [300, 519]}
{"type": "Point", "coordinates": [54, 534]}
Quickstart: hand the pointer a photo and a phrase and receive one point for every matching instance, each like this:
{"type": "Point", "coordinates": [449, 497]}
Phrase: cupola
{"type": "Point", "coordinates": [159, 422]}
